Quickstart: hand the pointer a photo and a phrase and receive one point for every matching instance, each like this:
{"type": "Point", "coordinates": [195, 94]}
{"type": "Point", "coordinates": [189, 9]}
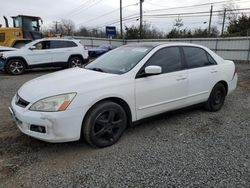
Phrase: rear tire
{"type": "Point", "coordinates": [75, 62]}
{"type": "Point", "coordinates": [15, 67]}
{"type": "Point", "coordinates": [216, 98]}
{"type": "Point", "coordinates": [104, 124]}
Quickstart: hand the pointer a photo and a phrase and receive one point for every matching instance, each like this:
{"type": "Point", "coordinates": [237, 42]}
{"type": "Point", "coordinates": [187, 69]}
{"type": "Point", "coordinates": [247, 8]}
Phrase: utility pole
{"type": "Point", "coordinates": [121, 19]}
{"type": "Point", "coordinates": [210, 20]}
{"type": "Point", "coordinates": [141, 21]}
{"type": "Point", "coordinates": [223, 23]}
{"type": "Point", "coordinates": [56, 27]}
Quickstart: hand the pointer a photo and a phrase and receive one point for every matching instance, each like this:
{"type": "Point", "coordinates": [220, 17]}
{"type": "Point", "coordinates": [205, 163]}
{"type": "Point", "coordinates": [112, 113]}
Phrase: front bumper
{"type": "Point", "coordinates": [2, 64]}
{"type": "Point", "coordinates": [62, 126]}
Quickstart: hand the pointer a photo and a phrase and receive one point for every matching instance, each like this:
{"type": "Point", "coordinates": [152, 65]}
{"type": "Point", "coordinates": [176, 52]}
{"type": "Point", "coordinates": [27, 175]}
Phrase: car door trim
{"type": "Point", "coordinates": [169, 101]}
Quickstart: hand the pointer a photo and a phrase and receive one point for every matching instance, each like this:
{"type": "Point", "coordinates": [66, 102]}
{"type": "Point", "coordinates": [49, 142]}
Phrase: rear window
{"type": "Point", "coordinates": [197, 57]}
{"type": "Point", "coordinates": [62, 44]}
{"type": "Point", "coordinates": [71, 44]}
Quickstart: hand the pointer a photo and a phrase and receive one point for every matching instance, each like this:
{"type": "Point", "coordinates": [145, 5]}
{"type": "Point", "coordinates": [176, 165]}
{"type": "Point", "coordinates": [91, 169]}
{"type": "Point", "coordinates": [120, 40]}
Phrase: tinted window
{"type": "Point", "coordinates": [168, 58]}
{"type": "Point", "coordinates": [71, 44]}
{"type": "Point", "coordinates": [42, 45]}
{"type": "Point", "coordinates": [62, 44]}
{"type": "Point", "coordinates": [58, 44]}
{"type": "Point", "coordinates": [211, 60]}
{"type": "Point", "coordinates": [196, 57]}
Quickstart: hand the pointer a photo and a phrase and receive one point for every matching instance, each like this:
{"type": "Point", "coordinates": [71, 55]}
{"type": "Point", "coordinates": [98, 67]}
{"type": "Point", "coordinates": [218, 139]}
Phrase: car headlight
{"type": "Point", "coordinates": [53, 103]}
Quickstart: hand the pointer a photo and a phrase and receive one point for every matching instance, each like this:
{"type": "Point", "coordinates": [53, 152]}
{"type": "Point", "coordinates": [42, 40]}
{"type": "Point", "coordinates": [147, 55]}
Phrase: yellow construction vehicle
{"type": "Point", "coordinates": [25, 29]}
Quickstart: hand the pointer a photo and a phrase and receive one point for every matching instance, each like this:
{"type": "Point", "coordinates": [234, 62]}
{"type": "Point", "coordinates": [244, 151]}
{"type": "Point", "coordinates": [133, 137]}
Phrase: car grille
{"type": "Point", "coordinates": [21, 102]}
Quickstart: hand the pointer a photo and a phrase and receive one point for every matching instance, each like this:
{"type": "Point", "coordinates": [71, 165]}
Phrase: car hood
{"type": "Point", "coordinates": [5, 49]}
{"type": "Point", "coordinates": [13, 52]}
{"type": "Point", "coordinates": [70, 80]}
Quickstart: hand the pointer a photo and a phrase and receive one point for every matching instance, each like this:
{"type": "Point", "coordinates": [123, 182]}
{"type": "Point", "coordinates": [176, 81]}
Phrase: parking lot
{"type": "Point", "coordinates": [189, 147]}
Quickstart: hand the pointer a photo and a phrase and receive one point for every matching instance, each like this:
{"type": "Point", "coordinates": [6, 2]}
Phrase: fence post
{"type": "Point", "coordinates": [110, 41]}
{"type": "Point", "coordinates": [92, 42]}
{"type": "Point", "coordinates": [248, 54]}
{"type": "Point", "coordinates": [216, 45]}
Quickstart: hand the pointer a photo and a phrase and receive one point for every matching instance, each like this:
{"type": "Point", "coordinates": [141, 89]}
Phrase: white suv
{"type": "Point", "coordinates": [44, 53]}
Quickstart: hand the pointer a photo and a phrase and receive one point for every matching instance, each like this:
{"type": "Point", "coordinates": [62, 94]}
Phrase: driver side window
{"type": "Point", "coordinates": [168, 58]}
{"type": "Point", "coordinates": [43, 45]}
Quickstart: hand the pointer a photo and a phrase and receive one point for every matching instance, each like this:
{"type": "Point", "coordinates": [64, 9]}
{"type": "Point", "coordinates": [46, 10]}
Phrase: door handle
{"type": "Point", "coordinates": [181, 78]}
{"type": "Point", "coordinates": [213, 70]}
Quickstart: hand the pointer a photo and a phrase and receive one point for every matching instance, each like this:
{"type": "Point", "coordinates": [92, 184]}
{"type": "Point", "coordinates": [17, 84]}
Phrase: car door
{"type": "Point", "coordinates": [203, 74]}
{"type": "Point", "coordinates": [163, 92]}
{"type": "Point", "coordinates": [60, 50]}
{"type": "Point", "coordinates": [39, 53]}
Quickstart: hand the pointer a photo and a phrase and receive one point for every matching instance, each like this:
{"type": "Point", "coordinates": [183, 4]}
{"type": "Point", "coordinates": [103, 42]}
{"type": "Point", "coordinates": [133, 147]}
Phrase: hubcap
{"type": "Point", "coordinates": [108, 126]}
{"type": "Point", "coordinates": [218, 97]}
{"type": "Point", "coordinates": [16, 67]}
{"type": "Point", "coordinates": [76, 63]}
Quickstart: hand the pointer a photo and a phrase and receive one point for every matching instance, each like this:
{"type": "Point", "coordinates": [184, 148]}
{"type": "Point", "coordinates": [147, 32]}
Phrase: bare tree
{"type": "Point", "coordinates": [66, 27]}
{"type": "Point", "coordinates": [231, 12]}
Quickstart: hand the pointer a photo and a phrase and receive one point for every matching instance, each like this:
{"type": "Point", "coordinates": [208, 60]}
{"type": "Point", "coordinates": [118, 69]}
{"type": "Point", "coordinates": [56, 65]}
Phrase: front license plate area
{"type": "Point", "coordinates": [12, 114]}
{"type": "Point", "coordinates": [15, 119]}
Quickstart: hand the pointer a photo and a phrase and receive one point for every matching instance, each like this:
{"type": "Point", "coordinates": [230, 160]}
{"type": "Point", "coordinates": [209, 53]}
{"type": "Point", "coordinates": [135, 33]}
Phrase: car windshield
{"type": "Point", "coordinates": [119, 60]}
{"type": "Point", "coordinates": [28, 44]}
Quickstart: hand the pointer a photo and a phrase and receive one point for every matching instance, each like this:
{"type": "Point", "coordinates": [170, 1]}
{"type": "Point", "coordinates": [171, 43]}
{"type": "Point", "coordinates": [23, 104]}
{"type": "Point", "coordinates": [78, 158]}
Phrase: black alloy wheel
{"type": "Point", "coordinates": [105, 124]}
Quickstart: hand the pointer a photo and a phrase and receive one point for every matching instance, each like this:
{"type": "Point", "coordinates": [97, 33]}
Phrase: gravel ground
{"type": "Point", "coordinates": [186, 148]}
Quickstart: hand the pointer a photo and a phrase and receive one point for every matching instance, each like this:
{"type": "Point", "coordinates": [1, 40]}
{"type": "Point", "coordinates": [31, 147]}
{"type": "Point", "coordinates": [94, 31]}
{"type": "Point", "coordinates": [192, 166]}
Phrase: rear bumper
{"type": "Point", "coordinates": [232, 84]}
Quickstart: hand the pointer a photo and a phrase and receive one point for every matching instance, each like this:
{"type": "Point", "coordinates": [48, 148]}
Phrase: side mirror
{"type": "Point", "coordinates": [153, 70]}
{"type": "Point", "coordinates": [32, 48]}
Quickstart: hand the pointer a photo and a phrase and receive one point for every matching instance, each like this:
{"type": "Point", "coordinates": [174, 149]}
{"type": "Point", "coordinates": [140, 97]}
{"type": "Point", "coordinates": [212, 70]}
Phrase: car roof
{"type": "Point", "coordinates": [155, 44]}
{"type": "Point", "coordinates": [57, 39]}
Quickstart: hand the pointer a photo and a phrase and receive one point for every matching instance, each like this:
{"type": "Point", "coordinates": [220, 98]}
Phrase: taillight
{"type": "Point", "coordinates": [235, 71]}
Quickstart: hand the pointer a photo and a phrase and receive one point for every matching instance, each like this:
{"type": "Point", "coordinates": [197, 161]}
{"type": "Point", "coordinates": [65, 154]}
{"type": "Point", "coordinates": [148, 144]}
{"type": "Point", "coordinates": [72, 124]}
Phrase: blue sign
{"type": "Point", "coordinates": [110, 31]}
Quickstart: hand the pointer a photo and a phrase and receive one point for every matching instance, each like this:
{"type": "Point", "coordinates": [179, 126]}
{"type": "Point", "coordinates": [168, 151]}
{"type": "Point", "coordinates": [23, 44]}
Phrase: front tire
{"type": "Point", "coordinates": [104, 124]}
{"type": "Point", "coordinates": [216, 98]}
{"type": "Point", "coordinates": [15, 67]}
{"type": "Point", "coordinates": [75, 62]}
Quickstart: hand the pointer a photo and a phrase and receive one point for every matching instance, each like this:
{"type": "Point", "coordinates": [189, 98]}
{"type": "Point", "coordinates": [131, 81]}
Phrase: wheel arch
{"type": "Point", "coordinates": [224, 83]}
{"type": "Point", "coordinates": [76, 55]}
{"type": "Point", "coordinates": [116, 100]}
{"type": "Point", "coordinates": [16, 57]}
{"type": "Point", "coordinates": [80, 56]}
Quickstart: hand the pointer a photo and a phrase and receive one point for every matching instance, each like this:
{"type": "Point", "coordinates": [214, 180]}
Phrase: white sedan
{"type": "Point", "coordinates": [127, 84]}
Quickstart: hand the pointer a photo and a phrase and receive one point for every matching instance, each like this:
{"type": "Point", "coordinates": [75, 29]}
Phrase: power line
{"type": "Point", "coordinates": [95, 2]}
{"type": "Point", "coordinates": [195, 5]}
{"type": "Point", "coordinates": [124, 19]}
{"type": "Point", "coordinates": [184, 14]}
{"type": "Point", "coordinates": [177, 8]}
{"type": "Point", "coordinates": [107, 13]}
{"type": "Point", "coordinates": [78, 7]}
{"type": "Point", "coordinates": [187, 16]}
{"type": "Point", "coordinates": [190, 13]}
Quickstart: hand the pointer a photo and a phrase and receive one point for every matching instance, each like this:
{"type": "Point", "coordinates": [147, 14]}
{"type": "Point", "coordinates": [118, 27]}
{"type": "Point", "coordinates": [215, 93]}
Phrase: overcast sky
{"type": "Point", "coordinates": [87, 12]}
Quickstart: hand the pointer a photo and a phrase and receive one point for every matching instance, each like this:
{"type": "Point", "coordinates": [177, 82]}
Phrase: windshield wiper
{"type": "Point", "coordinates": [96, 69]}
